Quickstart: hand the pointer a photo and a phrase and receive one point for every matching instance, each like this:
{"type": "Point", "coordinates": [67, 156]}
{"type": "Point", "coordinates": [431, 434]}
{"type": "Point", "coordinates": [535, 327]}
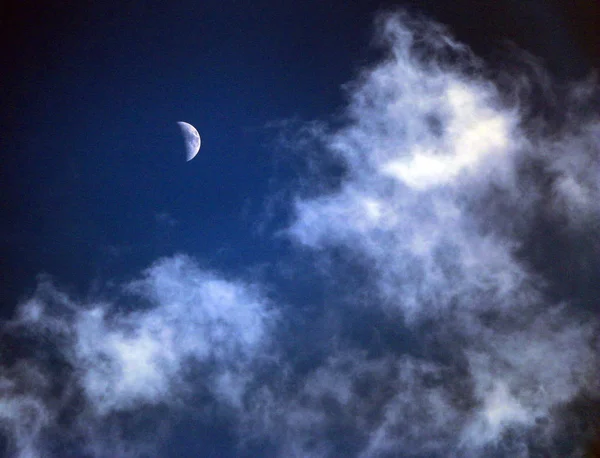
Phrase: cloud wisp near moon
{"type": "Point", "coordinates": [461, 258]}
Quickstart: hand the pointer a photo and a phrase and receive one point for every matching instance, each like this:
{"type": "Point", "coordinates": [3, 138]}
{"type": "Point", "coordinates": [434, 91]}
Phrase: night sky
{"type": "Point", "coordinates": [387, 245]}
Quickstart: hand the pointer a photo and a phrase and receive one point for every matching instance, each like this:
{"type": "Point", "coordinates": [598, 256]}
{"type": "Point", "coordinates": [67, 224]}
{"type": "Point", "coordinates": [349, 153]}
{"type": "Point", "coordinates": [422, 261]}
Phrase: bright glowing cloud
{"type": "Point", "coordinates": [449, 163]}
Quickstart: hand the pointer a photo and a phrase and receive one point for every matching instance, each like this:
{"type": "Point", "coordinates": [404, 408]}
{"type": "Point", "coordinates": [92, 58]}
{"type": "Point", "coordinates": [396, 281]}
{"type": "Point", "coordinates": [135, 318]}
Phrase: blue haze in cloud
{"type": "Point", "coordinates": [448, 303]}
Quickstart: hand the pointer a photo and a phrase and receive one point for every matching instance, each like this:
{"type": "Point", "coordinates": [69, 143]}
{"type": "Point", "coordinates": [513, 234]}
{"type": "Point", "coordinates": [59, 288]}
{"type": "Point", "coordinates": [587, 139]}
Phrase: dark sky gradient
{"type": "Point", "coordinates": [92, 92]}
{"type": "Point", "coordinates": [96, 91]}
{"type": "Point", "coordinates": [93, 178]}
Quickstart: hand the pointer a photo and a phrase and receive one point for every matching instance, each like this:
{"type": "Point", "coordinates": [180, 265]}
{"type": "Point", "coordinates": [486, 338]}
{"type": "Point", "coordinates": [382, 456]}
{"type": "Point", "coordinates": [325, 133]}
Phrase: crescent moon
{"type": "Point", "coordinates": [191, 138]}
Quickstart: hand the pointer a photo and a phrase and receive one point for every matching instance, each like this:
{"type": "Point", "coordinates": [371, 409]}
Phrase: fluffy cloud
{"type": "Point", "coordinates": [450, 192]}
{"type": "Point", "coordinates": [134, 352]}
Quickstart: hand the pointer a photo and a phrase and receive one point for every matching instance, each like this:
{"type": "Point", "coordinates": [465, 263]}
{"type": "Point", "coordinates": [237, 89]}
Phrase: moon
{"type": "Point", "coordinates": [191, 138]}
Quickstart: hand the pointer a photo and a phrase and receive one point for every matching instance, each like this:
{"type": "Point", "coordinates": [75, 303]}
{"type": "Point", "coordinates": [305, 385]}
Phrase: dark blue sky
{"type": "Point", "coordinates": [93, 90]}
{"type": "Point", "coordinates": [93, 96]}
{"type": "Point", "coordinates": [95, 187]}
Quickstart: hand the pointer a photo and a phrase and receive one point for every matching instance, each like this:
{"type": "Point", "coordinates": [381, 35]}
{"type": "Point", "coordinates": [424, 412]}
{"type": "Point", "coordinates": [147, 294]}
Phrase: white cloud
{"type": "Point", "coordinates": [23, 414]}
{"type": "Point", "coordinates": [126, 358]}
{"type": "Point", "coordinates": [440, 202]}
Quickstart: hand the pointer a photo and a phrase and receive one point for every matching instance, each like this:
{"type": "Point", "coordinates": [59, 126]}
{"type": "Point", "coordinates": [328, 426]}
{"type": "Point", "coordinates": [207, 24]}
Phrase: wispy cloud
{"type": "Point", "coordinates": [165, 219]}
{"type": "Point", "coordinates": [133, 352]}
{"type": "Point", "coordinates": [450, 190]}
